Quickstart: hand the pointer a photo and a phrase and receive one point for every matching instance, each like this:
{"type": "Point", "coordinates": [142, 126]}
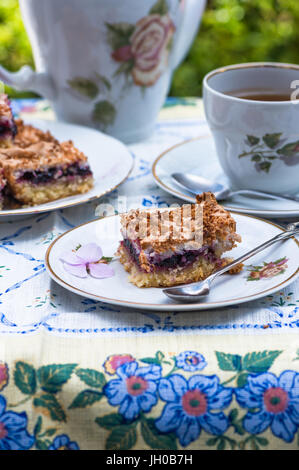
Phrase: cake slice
{"type": "Point", "coordinates": [28, 135]}
{"type": "Point", "coordinates": [45, 171]}
{"type": "Point", "coordinates": [8, 128]}
{"type": "Point", "coordinates": [176, 246]}
{"type": "Point", "coordinates": [2, 189]}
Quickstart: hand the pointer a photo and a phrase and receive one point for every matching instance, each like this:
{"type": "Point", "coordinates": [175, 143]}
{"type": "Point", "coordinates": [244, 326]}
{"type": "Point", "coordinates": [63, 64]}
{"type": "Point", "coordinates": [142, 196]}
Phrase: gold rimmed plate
{"type": "Point", "coordinates": [274, 268]}
{"type": "Point", "coordinates": [110, 161]}
{"type": "Point", "coordinates": [198, 156]}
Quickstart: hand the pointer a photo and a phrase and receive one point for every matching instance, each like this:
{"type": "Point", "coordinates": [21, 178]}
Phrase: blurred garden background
{"type": "Point", "coordinates": [232, 31]}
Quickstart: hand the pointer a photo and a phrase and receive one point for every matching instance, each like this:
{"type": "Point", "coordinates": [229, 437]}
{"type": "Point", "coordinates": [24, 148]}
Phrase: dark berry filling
{"type": "Point", "coordinates": [55, 173]}
{"type": "Point", "coordinates": [8, 127]}
{"type": "Point", "coordinates": [131, 250]}
{"type": "Point", "coordinates": [182, 260]}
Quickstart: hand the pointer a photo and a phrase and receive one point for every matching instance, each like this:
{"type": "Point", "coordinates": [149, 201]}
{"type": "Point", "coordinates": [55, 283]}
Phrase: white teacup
{"type": "Point", "coordinates": [257, 142]}
{"type": "Point", "coordinates": [106, 63]}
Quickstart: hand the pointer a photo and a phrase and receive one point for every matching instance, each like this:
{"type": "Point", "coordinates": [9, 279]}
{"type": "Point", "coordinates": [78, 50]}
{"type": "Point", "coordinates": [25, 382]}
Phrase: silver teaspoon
{"type": "Point", "coordinates": [196, 291]}
{"type": "Point", "coordinates": [197, 184]}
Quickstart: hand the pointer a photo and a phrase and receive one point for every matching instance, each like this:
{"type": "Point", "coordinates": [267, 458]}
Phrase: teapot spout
{"type": "Point", "coordinates": [27, 79]}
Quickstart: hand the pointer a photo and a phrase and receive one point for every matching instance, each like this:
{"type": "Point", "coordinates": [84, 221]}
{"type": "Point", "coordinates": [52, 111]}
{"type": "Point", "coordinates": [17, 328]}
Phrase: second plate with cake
{"type": "Point", "coordinates": [108, 159]}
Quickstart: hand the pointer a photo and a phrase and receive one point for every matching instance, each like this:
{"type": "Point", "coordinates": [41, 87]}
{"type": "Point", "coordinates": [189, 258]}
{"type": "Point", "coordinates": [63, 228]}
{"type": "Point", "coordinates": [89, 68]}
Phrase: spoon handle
{"type": "Point", "coordinates": [263, 194]}
{"type": "Point", "coordinates": [281, 236]}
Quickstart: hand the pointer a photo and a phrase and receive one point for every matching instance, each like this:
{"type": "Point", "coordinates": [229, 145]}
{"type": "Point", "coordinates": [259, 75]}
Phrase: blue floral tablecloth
{"type": "Point", "coordinates": [76, 373]}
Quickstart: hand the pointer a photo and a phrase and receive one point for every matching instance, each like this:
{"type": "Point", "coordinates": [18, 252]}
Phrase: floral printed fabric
{"type": "Point", "coordinates": [162, 401]}
{"type": "Point", "coordinates": [61, 355]}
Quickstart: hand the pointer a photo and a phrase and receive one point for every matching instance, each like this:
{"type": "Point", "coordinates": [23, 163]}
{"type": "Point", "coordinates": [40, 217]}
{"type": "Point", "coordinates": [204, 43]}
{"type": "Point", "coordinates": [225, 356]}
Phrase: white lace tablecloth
{"type": "Point", "coordinates": [30, 301]}
{"type": "Point", "coordinates": [81, 374]}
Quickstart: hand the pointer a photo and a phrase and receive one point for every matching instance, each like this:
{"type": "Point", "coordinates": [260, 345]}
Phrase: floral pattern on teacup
{"type": "Point", "coordinates": [263, 151]}
{"type": "Point", "coordinates": [143, 49]}
{"type": "Point", "coordinates": [267, 270]}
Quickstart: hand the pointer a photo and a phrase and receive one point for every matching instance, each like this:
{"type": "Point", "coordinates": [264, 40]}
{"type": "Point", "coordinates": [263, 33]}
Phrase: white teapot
{"type": "Point", "coordinates": [106, 63]}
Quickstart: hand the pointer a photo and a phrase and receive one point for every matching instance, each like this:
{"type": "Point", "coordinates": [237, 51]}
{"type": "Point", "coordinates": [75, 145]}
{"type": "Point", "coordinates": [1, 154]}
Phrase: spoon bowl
{"type": "Point", "coordinates": [197, 184]}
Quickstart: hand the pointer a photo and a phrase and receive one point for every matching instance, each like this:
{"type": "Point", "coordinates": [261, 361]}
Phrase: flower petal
{"type": "Point", "coordinates": [289, 381]}
{"type": "Point", "coordinates": [2, 404]}
{"type": "Point", "coordinates": [293, 411]}
{"type": "Point", "coordinates": [79, 270]}
{"type": "Point", "coordinates": [127, 369]}
{"type": "Point", "coordinates": [260, 383]}
{"type": "Point", "coordinates": [208, 385]}
{"type": "Point", "coordinates": [247, 399]}
{"type": "Point", "coordinates": [283, 427]}
{"type": "Point", "coordinates": [21, 440]}
{"type": "Point", "coordinates": [146, 401]}
{"type": "Point", "coordinates": [214, 423]}
{"type": "Point", "coordinates": [129, 408]}
{"type": "Point", "coordinates": [255, 423]}
{"type": "Point", "coordinates": [149, 373]}
{"type": "Point", "coordinates": [115, 391]}
{"type": "Point", "coordinates": [100, 270]}
{"type": "Point", "coordinates": [14, 421]}
{"type": "Point", "coordinates": [90, 253]}
{"type": "Point", "coordinates": [173, 388]}
{"type": "Point", "coordinates": [221, 399]}
{"type": "Point", "coordinates": [188, 430]}
{"type": "Point", "coordinates": [70, 257]}
{"type": "Point", "coordinates": [170, 418]}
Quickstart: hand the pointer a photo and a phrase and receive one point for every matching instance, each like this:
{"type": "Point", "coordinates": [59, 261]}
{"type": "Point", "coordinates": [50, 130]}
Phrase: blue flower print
{"type": "Point", "coordinates": [13, 432]}
{"type": "Point", "coordinates": [135, 390]}
{"type": "Point", "coordinates": [190, 406]}
{"type": "Point", "coordinates": [190, 361]}
{"type": "Point", "coordinates": [63, 442]}
{"type": "Point", "coordinates": [277, 401]}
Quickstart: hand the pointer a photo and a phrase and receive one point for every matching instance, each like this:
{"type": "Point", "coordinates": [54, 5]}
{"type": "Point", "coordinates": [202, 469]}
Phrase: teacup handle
{"type": "Point", "coordinates": [27, 79]}
{"type": "Point", "coordinates": [193, 10]}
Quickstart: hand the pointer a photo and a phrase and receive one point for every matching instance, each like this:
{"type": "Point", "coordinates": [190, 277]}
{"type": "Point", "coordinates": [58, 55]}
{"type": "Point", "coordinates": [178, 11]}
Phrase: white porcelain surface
{"type": "Point", "coordinates": [199, 157]}
{"type": "Point", "coordinates": [267, 160]}
{"type": "Point", "coordinates": [227, 290]}
{"type": "Point", "coordinates": [107, 64]}
{"type": "Point", "coordinates": [109, 159]}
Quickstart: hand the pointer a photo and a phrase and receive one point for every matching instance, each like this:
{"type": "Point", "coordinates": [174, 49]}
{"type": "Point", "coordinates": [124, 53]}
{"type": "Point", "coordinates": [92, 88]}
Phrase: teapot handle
{"type": "Point", "coordinates": [192, 13]}
{"type": "Point", "coordinates": [27, 79]}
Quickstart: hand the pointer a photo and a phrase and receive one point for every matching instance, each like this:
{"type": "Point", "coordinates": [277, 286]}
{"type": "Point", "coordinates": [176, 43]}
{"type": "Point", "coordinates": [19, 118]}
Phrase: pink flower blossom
{"type": "Point", "coordinates": [149, 47]}
{"type": "Point", "coordinates": [86, 260]}
{"type": "Point", "coordinates": [122, 54]}
{"type": "Point", "coordinates": [3, 375]}
{"type": "Point", "coordinates": [115, 361]}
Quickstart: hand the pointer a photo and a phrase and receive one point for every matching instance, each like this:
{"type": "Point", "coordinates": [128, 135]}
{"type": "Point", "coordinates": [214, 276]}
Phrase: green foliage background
{"type": "Point", "coordinates": [232, 31]}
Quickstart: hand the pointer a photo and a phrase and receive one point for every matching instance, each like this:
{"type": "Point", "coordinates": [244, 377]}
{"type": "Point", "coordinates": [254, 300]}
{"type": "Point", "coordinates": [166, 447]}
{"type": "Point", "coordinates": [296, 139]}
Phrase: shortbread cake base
{"type": "Point", "coordinates": [198, 271]}
{"type": "Point", "coordinates": [6, 142]}
{"type": "Point", "coordinates": [40, 194]}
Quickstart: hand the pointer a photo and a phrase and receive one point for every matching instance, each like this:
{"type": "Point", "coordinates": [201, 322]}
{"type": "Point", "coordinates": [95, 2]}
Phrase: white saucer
{"type": "Point", "coordinates": [110, 161]}
{"type": "Point", "coordinates": [198, 156]}
{"type": "Point", "coordinates": [227, 290]}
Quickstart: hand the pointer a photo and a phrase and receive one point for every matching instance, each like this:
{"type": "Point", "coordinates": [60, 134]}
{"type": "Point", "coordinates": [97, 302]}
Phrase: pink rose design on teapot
{"type": "Point", "coordinates": [142, 49]}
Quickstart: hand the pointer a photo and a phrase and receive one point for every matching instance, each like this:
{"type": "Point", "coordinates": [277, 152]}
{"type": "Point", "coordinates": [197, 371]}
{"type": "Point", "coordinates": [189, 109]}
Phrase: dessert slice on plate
{"type": "Point", "coordinates": [45, 171]}
{"type": "Point", "coordinates": [8, 128]}
{"type": "Point", "coordinates": [2, 189]}
{"type": "Point", "coordinates": [177, 245]}
{"type": "Point", "coordinates": [28, 135]}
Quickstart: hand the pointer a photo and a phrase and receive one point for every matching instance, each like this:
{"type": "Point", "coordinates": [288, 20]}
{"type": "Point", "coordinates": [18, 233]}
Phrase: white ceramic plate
{"type": "Point", "coordinates": [110, 161]}
{"type": "Point", "coordinates": [198, 156]}
{"type": "Point", "coordinates": [227, 290]}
